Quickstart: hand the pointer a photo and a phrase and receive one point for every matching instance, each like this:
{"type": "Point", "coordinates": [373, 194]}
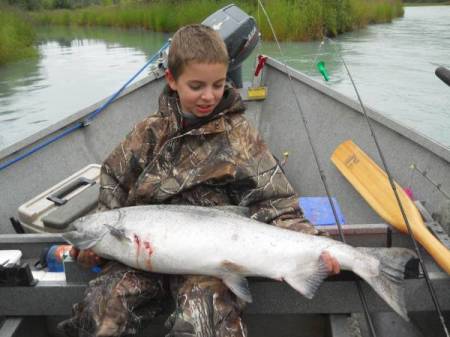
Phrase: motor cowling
{"type": "Point", "coordinates": [241, 36]}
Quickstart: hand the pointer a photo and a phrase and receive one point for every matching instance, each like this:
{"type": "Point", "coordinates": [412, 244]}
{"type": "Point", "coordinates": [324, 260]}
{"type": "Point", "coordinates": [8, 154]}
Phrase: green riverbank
{"type": "Point", "coordinates": [293, 20]}
{"type": "Point", "coordinates": [16, 36]}
{"type": "Point", "coordinates": [418, 4]}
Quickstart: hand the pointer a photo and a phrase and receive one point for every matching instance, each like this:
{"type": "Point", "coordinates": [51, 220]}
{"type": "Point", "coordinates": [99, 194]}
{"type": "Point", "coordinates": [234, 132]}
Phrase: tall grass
{"type": "Point", "coordinates": [311, 19]}
{"type": "Point", "coordinates": [16, 36]}
{"type": "Point", "coordinates": [292, 19]}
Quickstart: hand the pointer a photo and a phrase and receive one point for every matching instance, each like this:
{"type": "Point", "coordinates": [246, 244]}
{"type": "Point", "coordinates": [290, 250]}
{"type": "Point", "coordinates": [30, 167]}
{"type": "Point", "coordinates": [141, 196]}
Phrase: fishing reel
{"type": "Point", "coordinates": [240, 34]}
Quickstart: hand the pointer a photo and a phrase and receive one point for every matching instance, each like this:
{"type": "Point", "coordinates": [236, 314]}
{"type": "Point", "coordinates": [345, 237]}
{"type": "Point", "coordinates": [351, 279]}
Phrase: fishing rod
{"type": "Point", "coordinates": [424, 174]}
{"type": "Point", "coordinates": [321, 173]}
{"type": "Point", "coordinates": [394, 189]}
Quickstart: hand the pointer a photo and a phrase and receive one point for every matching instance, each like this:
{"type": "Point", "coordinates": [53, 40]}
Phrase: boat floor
{"type": "Point", "coordinates": [262, 325]}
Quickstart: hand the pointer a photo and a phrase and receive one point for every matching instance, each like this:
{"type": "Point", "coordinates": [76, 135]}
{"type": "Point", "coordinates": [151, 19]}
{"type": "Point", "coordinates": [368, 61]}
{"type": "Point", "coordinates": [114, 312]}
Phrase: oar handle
{"type": "Point", "coordinates": [434, 247]}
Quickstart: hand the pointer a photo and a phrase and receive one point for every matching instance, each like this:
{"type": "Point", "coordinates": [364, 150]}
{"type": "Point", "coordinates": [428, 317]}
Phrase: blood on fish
{"type": "Point", "coordinates": [137, 242]}
{"type": "Point", "coordinates": [148, 248]}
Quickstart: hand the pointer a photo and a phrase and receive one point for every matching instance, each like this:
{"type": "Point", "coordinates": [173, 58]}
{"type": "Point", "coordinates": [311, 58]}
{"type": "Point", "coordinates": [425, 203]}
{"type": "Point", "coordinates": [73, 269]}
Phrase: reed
{"type": "Point", "coordinates": [16, 36]}
{"type": "Point", "coordinates": [295, 20]}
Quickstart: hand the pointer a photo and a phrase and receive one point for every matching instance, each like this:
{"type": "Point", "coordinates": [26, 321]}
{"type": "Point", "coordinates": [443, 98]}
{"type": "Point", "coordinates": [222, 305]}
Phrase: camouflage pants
{"type": "Point", "coordinates": [205, 307]}
{"type": "Point", "coordinates": [122, 299]}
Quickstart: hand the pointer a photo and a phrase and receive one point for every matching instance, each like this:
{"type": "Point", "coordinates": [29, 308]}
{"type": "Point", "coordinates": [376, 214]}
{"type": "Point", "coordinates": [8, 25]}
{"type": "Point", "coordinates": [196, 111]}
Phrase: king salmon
{"type": "Point", "coordinates": [174, 239]}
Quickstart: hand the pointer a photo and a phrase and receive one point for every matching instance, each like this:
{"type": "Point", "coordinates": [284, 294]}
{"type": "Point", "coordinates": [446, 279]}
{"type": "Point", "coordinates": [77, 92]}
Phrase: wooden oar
{"type": "Point", "coordinates": [373, 185]}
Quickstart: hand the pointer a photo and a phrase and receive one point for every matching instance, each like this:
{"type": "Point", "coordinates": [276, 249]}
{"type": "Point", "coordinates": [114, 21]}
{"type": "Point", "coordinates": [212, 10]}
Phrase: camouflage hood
{"type": "Point", "coordinates": [169, 107]}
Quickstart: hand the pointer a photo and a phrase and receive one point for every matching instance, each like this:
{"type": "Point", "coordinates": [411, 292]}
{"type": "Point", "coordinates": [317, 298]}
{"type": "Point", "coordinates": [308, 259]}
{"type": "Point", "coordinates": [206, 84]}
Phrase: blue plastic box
{"type": "Point", "coordinates": [318, 210]}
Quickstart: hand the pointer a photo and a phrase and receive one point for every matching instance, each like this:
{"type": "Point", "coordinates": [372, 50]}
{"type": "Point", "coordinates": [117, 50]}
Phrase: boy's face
{"type": "Point", "coordinates": [200, 87]}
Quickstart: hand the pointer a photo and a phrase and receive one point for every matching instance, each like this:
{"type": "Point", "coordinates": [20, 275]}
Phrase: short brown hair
{"type": "Point", "coordinates": [196, 43]}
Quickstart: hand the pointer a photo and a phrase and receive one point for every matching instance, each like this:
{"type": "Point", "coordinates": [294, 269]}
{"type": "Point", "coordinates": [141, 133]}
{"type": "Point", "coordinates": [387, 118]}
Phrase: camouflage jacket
{"type": "Point", "coordinates": [222, 161]}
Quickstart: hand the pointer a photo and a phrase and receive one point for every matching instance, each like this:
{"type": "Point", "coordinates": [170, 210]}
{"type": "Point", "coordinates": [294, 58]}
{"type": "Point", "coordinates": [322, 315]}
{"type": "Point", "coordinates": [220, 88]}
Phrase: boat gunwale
{"type": "Point", "coordinates": [78, 116]}
{"type": "Point", "coordinates": [416, 137]}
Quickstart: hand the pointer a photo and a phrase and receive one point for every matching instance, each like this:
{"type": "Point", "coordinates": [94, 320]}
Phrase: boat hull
{"type": "Point", "coordinates": [332, 118]}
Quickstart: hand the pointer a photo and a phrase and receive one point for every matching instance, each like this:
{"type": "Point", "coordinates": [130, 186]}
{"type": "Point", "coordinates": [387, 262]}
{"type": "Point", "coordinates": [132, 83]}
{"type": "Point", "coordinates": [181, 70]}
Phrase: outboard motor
{"type": "Point", "coordinates": [240, 34]}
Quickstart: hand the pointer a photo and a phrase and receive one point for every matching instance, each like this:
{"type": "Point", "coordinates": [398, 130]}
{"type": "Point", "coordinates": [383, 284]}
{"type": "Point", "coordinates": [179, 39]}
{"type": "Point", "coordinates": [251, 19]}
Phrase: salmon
{"type": "Point", "coordinates": [175, 239]}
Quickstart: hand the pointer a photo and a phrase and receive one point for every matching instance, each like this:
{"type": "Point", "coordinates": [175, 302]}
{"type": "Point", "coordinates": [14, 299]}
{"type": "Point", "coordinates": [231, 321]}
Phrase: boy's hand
{"type": "Point", "coordinates": [86, 258]}
{"type": "Point", "coordinates": [331, 263]}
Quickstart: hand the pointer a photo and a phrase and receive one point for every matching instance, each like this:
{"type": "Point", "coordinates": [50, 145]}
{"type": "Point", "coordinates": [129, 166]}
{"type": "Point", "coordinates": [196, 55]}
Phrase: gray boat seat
{"type": "Point", "coordinates": [80, 205]}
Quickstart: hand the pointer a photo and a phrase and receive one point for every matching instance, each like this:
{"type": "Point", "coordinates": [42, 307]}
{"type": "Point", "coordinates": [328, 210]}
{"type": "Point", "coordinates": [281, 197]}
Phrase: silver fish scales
{"type": "Point", "coordinates": [175, 239]}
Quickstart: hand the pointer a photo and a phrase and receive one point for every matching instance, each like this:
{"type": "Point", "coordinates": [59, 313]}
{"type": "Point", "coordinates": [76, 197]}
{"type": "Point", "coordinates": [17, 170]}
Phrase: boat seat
{"type": "Point", "coordinates": [80, 205]}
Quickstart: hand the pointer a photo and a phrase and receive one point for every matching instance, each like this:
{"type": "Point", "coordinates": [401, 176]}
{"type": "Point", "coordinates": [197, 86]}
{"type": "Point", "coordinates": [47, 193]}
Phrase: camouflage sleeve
{"type": "Point", "coordinates": [123, 166]}
{"type": "Point", "coordinates": [262, 185]}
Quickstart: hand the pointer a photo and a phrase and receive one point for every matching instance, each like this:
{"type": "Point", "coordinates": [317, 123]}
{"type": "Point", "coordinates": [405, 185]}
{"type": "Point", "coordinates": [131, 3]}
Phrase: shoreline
{"type": "Point", "coordinates": [294, 20]}
{"type": "Point", "coordinates": [425, 4]}
{"type": "Point", "coordinates": [17, 36]}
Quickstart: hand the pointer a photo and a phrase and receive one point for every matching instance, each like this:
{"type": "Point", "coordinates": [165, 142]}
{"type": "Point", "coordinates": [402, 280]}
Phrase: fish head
{"type": "Point", "coordinates": [95, 223]}
{"type": "Point", "coordinates": [87, 230]}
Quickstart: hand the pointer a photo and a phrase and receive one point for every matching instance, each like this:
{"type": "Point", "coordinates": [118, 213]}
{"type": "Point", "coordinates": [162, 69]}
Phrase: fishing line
{"type": "Point", "coordinates": [424, 174]}
{"type": "Point", "coordinates": [319, 50]}
{"type": "Point", "coordinates": [321, 172]}
{"type": "Point", "coordinates": [411, 174]}
{"type": "Point", "coordinates": [394, 189]}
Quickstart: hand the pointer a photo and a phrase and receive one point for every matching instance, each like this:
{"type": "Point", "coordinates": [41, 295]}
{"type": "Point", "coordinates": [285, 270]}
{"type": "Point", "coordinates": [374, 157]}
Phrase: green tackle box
{"type": "Point", "coordinates": [54, 209]}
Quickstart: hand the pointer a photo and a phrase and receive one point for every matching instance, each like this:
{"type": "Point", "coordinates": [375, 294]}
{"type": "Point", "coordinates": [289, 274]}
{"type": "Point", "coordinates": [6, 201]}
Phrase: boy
{"type": "Point", "coordinates": [197, 149]}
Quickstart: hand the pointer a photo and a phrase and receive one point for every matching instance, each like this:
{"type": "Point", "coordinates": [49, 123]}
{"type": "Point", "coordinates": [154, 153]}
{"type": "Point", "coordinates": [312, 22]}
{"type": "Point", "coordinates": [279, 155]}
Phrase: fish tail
{"type": "Point", "coordinates": [388, 282]}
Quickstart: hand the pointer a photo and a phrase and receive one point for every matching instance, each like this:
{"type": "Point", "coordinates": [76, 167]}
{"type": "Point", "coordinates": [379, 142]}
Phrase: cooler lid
{"type": "Point", "coordinates": [10, 256]}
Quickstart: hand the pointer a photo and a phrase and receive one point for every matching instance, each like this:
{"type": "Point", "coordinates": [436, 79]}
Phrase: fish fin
{"type": "Point", "coordinates": [80, 240]}
{"type": "Point", "coordinates": [238, 285]}
{"type": "Point", "coordinates": [388, 284]}
{"type": "Point", "coordinates": [118, 233]}
{"type": "Point", "coordinates": [309, 278]}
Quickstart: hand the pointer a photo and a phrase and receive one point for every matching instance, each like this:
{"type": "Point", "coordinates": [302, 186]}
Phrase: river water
{"type": "Point", "coordinates": [392, 64]}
